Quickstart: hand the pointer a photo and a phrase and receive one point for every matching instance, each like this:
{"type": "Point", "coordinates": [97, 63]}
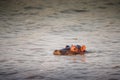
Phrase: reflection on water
{"type": "Point", "coordinates": [31, 31]}
{"type": "Point", "coordinates": [82, 58]}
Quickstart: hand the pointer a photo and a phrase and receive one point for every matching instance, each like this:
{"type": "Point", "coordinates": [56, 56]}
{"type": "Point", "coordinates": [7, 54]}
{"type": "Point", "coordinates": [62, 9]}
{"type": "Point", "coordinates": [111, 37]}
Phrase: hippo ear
{"type": "Point", "coordinates": [83, 48]}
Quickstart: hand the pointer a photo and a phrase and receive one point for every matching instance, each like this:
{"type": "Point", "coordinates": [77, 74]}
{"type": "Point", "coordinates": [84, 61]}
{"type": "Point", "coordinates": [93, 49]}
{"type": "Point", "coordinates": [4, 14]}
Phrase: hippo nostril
{"type": "Point", "coordinates": [56, 50]}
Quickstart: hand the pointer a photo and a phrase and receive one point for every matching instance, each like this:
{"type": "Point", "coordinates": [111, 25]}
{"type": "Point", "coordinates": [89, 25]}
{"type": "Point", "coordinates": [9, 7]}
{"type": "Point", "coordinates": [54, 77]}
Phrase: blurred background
{"type": "Point", "coordinates": [30, 30]}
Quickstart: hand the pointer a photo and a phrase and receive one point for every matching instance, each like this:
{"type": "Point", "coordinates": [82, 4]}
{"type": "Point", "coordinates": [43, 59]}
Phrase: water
{"type": "Point", "coordinates": [31, 31]}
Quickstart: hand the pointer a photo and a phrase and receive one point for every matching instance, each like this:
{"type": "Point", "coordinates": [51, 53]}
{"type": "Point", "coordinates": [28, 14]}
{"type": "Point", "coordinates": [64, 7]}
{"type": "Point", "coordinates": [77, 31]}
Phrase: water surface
{"type": "Point", "coordinates": [31, 31]}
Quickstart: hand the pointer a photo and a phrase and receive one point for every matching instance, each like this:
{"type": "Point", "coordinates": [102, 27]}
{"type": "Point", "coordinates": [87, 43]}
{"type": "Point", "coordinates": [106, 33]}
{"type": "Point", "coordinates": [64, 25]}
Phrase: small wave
{"type": "Point", "coordinates": [30, 8]}
{"type": "Point", "coordinates": [35, 77]}
{"type": "Point", "coordinates": [8, 73]}
{"type": "Point", "coordinates": [74, 11]}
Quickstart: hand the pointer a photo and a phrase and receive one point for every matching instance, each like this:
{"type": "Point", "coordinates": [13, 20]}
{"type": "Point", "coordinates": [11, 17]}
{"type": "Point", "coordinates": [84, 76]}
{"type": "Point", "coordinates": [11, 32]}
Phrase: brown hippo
{"type": "Point", "coordinates": [73, 50]}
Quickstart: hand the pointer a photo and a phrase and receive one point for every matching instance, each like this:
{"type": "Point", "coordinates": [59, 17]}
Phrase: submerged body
{"type": "Point", "coordinates": [73, 50]}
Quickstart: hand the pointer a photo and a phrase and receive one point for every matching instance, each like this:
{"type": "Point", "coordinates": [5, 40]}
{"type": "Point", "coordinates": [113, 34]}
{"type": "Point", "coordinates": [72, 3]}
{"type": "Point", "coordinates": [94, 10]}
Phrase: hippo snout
{"type": "Point", "coordinates": [57, 52]}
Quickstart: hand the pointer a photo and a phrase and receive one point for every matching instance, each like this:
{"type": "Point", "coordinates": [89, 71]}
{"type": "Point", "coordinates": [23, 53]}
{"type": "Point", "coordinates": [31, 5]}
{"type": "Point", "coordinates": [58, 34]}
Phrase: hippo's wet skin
{"type": "Point", "coordinates": [66, 52]}
{"type": "Point", "coordinates": [71, 50]}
